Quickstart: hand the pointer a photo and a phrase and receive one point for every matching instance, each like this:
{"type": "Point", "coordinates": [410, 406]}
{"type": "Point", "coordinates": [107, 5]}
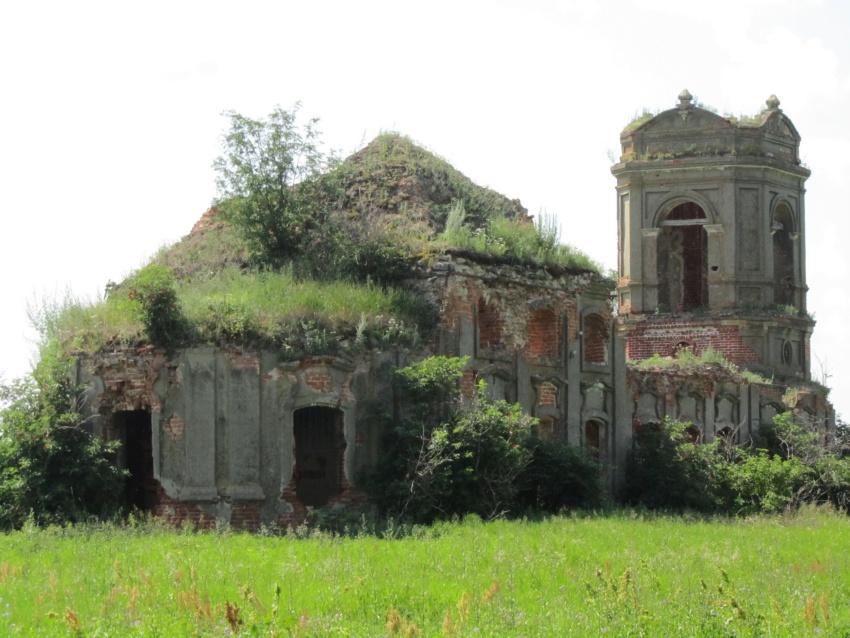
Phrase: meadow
{"type": "Point", "coordinates": [621, 574]}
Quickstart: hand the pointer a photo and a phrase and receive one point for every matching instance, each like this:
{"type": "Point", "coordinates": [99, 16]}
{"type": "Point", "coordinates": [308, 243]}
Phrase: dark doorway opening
{"type": "Point", "coordinates": [319, 446]}
{"type": "Point", "coordinates": [133, 428]}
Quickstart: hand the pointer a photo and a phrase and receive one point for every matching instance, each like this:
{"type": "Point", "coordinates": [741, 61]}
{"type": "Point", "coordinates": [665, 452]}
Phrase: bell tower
{"type": "Point", "coordinates": [711, 228]}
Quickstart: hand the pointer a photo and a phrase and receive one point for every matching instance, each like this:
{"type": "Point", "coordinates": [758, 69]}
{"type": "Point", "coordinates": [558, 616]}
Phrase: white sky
{"type": "Point", "coordinates": [110, 115]}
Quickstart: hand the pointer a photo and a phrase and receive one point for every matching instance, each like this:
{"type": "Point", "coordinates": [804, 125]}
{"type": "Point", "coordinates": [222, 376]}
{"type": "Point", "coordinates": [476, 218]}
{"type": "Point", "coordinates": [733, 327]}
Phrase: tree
{"type": "Point", "coordinates": [273, 183]}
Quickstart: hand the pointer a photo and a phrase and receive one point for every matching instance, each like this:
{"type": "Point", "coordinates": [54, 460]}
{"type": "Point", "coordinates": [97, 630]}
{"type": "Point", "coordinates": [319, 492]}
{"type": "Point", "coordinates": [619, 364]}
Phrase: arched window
{"type": "Point", "coordinates": [682, 259]}
{"type": "Point", "coordinates": [784, 262]}
{"type": "Point", "coordinates": [595, 339]}
{"type": "Point", "coordinates": [319, 447]}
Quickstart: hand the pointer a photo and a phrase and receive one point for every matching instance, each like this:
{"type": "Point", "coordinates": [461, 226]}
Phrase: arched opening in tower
{"type": "Point", "coordinates": [682, 260]}
{"type": "Point", "coordinates": [319, 447]}
{"type": "Point", "coordinates": [784, 266]}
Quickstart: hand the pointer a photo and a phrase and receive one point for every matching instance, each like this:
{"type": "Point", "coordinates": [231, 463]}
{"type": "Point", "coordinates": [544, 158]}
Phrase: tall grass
{"type": "Point", "coordinates": [513, 239]}
{"type": "Point", "coordinates": [625, 574]}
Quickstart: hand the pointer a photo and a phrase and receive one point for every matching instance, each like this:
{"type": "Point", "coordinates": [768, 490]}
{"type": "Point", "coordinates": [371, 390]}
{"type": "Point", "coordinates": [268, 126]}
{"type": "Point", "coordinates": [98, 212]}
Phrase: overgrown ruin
{"type": "Point", "coordinates": [711, 256]}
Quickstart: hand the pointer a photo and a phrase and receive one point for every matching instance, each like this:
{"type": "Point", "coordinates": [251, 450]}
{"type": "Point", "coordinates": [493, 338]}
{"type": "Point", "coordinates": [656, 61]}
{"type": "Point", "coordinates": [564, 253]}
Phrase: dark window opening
{"type": "Point", "coordinates": [693, 434]}
{"type": "Point", "coordinates": [787, 353]}
{"type": "Point", "coordinates": [133, 428]}
{"type": "Point", "coordinates": [682, 260]}
{"type": "Point", "coordinates": [784, 267]}
{"type": "Point", "coordinates": [593, 438]}
{"type": "Point", "coordinates": [319, 446]}
{"type": "Point", "coordinates": [683, 346]}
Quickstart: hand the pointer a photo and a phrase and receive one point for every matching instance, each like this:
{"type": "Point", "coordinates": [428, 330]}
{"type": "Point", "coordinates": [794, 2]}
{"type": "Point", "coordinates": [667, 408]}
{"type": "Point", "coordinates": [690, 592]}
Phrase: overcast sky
{"type": "Point", "coordinates": [110, 115]}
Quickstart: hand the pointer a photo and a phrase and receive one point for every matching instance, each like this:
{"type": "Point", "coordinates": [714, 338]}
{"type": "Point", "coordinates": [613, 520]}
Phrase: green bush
{"type": "Point", "coordinates": [666, 470]}
{"type": "Point", "coordinates": [447, 456]}
{"type": "Point", "coordinates": [152, 288]}
{"type": "Point", "coordinates": [51, 468]}
{"type": "Point", "coordinates": [792, 466]}
{"type": "Point", "coordinates": [558, 477]}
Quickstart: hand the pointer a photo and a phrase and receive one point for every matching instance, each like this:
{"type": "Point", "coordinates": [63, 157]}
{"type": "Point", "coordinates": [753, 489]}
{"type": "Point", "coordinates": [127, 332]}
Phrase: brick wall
{"type": "Point", "coordinates": [664, 337]}
{"type": "Point", "coordinates": [547, 394]}
{"type": "Point", "coordinates": [489, 326]}
{"type": "Point", "coordinates": [544, 339]}
{"type": "Point", "coordinates": [595, 339]}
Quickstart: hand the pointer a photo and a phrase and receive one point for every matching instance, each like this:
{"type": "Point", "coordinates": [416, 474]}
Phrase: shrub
{"type": "Point", "coordinates": [152, 288]}
{"type": "Point", "coordinates": [557, 477]}
{"type": "Point", "coordinates": [51, 468]}
{"type": "Point", "coordinates": [666, 470]}
{"type": "Point", "coordinates": [450, 456]}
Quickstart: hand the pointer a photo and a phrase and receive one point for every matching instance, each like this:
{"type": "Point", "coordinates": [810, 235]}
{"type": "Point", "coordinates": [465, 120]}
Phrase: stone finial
{"type": "Point", "coordinates": [685, 98]}
{"type": "Point", "coordinates": [772, 103]}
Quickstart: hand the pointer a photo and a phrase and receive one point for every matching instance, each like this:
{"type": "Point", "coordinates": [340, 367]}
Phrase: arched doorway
{"type": "Point", "coordinates": [682, 259]}
{"type": "Point", "coordinates": [319, 447]}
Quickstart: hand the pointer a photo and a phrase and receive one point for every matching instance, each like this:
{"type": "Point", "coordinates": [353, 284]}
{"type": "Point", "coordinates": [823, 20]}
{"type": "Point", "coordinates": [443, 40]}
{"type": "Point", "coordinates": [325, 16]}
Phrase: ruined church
{"type": "Point", "coordinates": [711, 237]}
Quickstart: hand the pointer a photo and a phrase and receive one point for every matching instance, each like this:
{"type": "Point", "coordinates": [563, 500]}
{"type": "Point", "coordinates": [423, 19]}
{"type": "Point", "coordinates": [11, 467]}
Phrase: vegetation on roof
{"type": "Point", "coordinates": [687, 360]}
{"type": "Point", "coordinates": [303, 252]}
{"type": "Point", "coordinates": [640, 119]}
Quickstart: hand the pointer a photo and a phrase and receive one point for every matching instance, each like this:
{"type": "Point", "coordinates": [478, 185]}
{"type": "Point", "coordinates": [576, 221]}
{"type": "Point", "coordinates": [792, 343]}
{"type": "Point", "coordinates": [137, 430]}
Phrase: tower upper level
{"type": "Point", "coordinates": [711, 220]}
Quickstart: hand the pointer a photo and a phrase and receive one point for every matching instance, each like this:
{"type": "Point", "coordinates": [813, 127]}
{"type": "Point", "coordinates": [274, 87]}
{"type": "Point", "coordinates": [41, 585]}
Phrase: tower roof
{"type": "Point", "coordinates": [692, 131]}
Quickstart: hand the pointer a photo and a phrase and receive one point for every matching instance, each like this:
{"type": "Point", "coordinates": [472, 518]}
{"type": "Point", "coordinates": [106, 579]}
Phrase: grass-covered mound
{"type": "Point", "coordinates": [313, 266]}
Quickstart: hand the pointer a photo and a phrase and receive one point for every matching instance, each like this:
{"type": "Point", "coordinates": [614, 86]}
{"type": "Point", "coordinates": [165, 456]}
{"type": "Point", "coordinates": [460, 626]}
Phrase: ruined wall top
{"type": "Point", "coordinates": [689, 132]}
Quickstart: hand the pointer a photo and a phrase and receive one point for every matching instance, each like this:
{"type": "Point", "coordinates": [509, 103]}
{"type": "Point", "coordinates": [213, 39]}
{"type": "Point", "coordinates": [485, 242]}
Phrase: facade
{"type": "Point", "coordinates": [711, 255]}
{"type": "Point", "coordinates": [229, 435]}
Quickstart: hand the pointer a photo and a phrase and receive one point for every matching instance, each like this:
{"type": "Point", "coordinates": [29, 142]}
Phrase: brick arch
{"type": "Point", "coordinates": [662, 213]}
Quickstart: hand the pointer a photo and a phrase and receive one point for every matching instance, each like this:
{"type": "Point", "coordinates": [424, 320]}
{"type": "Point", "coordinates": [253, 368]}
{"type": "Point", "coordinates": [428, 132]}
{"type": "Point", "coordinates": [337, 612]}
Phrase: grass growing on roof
{"type": "Point", "coordinates": [263, 308]}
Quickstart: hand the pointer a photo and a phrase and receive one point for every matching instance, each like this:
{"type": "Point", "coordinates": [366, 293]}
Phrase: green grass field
{"type": "Point", "coordinates": [618, 575]}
